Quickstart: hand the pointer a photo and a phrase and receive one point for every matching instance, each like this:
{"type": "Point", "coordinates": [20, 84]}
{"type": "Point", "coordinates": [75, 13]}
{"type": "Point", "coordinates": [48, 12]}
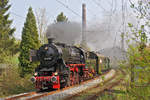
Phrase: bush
{"type": "Point", "coordinates": [11, 83]}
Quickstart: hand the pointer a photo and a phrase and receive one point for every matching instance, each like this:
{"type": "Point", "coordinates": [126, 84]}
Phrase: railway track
{"type": "Point", "coordinates": [97, 90]}
{"type": "Point", "coordinates": [107, 87]}
{"type": "Point", "coordinates": [62, 93]}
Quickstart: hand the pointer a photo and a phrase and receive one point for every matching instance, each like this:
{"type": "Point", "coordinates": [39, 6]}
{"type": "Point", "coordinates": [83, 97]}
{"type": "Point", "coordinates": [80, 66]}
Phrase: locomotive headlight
{"type": "Point", "coordinates": [46, 48]}
{"type": "Point", "coordinates": [100, 60]}
{"type": "Point", "coordinates": [55, 73]}
{"type": "Point", "coordinates": [35, 74]}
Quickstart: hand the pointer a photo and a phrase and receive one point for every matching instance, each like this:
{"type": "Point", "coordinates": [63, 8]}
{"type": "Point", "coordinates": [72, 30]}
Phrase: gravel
{"type": "Point", "coordinates": [77, 89]}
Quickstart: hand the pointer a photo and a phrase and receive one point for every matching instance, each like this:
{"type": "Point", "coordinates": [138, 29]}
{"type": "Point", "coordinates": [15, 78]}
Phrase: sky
{"type": "Point", "coordinates": [97, 10]}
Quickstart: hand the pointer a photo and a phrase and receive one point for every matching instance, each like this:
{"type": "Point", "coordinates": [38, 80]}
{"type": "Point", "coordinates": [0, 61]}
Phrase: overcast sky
{"type": "Point", "coordinates": [96, 10]}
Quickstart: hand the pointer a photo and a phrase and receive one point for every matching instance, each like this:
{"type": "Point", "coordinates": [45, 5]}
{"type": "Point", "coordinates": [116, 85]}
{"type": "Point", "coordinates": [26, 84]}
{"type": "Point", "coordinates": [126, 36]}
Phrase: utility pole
{"type": "Point", "coordinates": [123, 26]}
{"type": "Point", "coordinates": [83, 42]}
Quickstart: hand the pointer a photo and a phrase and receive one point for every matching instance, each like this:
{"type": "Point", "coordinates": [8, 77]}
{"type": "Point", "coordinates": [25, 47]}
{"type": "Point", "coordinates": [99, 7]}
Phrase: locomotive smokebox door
{"type": "Point", "coordinates": [33, 56]}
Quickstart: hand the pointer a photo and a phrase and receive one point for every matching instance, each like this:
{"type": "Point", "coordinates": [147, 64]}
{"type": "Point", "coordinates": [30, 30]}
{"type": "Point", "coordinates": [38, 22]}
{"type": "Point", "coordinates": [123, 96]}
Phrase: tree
{"type": "Point", "coordinates": [139, 53]}
{"type": "Point", "coordinates": [61, 18]}
{"type": "Point", "coordinates": [42, 24]}
{"type": "Point", "coordinates": [29, 41]}
{"type": "Point", "coordinates": [7, 41]}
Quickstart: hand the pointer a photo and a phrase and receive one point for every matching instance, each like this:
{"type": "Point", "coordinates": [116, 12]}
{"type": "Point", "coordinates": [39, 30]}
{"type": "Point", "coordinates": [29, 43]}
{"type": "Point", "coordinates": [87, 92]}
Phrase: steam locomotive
{"type": "Point", "coordinates": [63, 65]}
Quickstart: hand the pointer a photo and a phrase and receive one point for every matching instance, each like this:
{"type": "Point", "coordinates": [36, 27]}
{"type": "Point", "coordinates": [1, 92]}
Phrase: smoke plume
{"type": "Point", "coordinates": [100, 34]}
{"type": "Point", "coordinates": [65, 32]}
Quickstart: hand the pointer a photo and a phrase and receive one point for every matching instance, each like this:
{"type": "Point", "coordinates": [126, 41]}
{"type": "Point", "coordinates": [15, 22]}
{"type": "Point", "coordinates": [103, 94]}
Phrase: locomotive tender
{"type": "Point", "coordinates": [62, 65]}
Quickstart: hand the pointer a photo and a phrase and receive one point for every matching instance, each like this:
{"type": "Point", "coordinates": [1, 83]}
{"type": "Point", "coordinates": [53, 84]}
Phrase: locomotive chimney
{"type": "Point", "coordinates": [50, 40]}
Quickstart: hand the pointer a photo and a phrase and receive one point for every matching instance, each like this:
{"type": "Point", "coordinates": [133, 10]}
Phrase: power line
{"type": "Point", "coordinates": [68, 8]}
{"type": "Point", "coordinates": [17, 15]}
{"type": "Point", "coordinates": [71, 10]}
{"type": "Point", "coordinates": [98, 4]}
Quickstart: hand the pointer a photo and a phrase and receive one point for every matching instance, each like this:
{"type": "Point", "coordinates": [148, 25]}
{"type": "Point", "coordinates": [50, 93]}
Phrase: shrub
{"type": "Point", "coordinates": [11, 82]}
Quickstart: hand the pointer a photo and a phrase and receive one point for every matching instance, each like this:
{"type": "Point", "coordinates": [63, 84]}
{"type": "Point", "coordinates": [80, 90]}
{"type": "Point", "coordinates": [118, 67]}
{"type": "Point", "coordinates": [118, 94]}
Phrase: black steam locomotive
{"type": "Point", "coordinates": [62, 65]}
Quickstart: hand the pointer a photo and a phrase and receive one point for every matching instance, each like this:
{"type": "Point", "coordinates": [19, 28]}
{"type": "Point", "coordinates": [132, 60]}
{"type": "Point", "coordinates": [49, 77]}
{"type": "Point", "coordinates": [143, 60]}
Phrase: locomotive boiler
{"type": "Point", "coordinates": [63, 65]}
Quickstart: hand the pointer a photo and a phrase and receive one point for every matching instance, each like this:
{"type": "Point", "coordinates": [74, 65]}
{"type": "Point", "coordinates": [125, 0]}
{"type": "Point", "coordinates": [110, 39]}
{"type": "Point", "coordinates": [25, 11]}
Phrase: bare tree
{"type": "Point", "coordinates": [42, 23]}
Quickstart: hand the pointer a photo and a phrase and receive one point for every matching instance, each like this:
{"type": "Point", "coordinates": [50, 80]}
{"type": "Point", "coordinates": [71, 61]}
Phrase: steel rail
{"type": "Point", "coordinates": [30, 95]}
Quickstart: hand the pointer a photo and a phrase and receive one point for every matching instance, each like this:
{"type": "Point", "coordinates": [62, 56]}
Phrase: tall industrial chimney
{"type": "Point", "coordinates": [83, 24]}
